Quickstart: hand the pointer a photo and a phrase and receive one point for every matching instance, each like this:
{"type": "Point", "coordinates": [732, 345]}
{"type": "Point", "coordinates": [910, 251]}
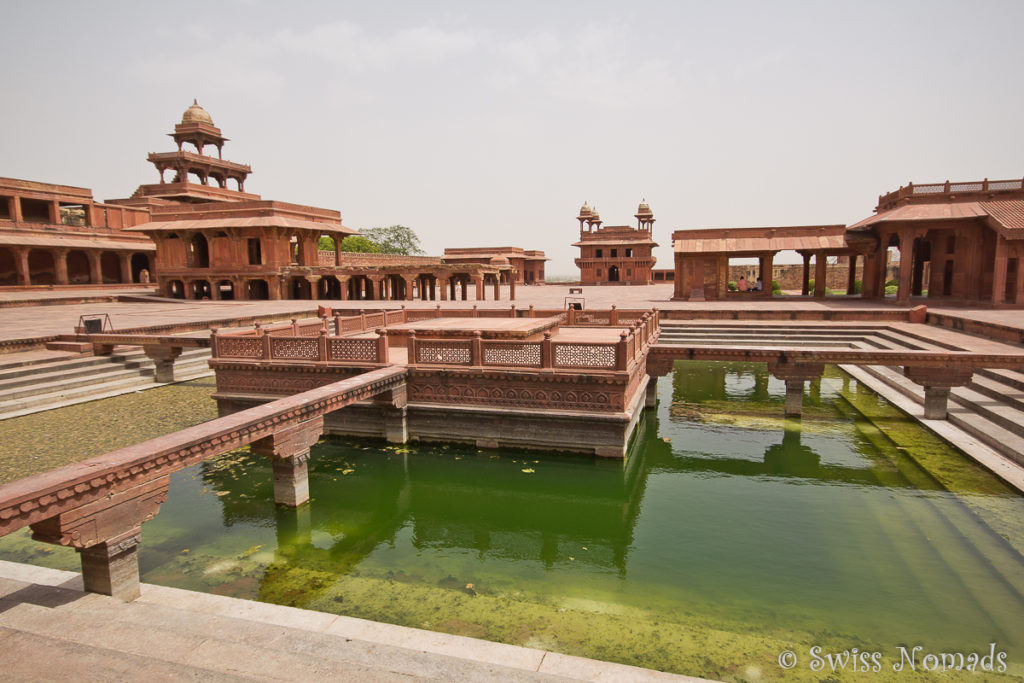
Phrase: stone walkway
{"type": "Point", "coordinates": [51, 631]}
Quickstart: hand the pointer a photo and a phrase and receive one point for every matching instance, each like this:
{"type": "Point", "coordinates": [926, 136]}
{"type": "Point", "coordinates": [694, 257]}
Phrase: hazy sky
{"type": "Point", "coordinates": [488, 124]}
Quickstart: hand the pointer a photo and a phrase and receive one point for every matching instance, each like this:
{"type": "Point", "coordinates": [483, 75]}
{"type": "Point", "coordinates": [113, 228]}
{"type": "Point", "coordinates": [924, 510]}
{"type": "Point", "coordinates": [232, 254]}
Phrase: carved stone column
{"type": "Point", "coordinates": [106, 534]}
{"type": "Point", "coordinates": [794, 375]}
{"type": "Point", "coordinates": [651, 398]}
{"type": "Point", "coordinates": [393, 408]}
{"type": "Point", "coordinates": [60, 266]}
{"type": "Point", "coordinates": [163, 357]}
{"type": "Point", "coordinates": [95, 271]}
{"type": "Point", "coordinates": [288, 450]}
{"type": "Point", "coordinates": [937, 382]}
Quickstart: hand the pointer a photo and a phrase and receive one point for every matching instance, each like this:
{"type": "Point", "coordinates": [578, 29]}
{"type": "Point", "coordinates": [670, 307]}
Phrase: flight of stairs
{"type": "Point", "coordinates": [990, 408]}
{"type": "Point", "coordinates": [42, 385]}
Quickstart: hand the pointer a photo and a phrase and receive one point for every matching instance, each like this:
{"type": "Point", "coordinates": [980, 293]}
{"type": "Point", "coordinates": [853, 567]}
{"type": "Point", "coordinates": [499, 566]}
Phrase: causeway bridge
{"type": "Point", "coordinates": [98, 505]}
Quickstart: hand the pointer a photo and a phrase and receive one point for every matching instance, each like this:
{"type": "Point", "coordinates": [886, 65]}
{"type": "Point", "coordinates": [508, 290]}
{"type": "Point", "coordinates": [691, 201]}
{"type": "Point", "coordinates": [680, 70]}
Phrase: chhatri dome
{"type": "Point", "coordinates": [196, 114]}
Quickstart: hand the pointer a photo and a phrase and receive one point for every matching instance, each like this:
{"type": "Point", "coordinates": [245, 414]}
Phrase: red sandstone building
{"type": "Point", "coordinates": [214, 240]}
{"type": "Point", "coordinates": [616, 254]}
{"type": "Point", "coordinates": [954, 243]}
{"type": "Point", "coordinates": [58, 235]}
{"type": "Point", "coordinates": [527, 265]}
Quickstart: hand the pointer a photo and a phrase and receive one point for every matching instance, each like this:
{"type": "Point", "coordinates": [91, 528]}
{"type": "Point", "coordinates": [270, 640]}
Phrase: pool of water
{"type": "Point", "coordinates": [729, 536]}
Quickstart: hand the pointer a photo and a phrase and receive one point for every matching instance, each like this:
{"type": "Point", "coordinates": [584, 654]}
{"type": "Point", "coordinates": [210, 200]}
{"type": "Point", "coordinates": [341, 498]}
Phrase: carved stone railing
{"type": "Point", "coordinates": [309, 340]}
{"type": "Point", "coordinates": [889, 200]}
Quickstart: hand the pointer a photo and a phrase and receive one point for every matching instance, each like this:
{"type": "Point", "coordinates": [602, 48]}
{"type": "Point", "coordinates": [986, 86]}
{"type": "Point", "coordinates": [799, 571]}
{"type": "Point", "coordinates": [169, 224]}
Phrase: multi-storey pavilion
{"type": "Point", "coordinates": [217, 242]}
{"type": "Point", "coordinates": [616, 254]}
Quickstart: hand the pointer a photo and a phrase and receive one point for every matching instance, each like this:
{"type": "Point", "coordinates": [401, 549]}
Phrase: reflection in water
{"type": "Point", "coordinates": [729, 535]}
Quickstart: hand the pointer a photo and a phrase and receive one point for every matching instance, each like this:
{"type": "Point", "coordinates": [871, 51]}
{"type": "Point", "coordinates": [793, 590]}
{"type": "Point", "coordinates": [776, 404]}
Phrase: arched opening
{"type": "Point", "coordinates": [459, 287]}
{"type": "Point", "coordinates": [199, 250]}
{"type": "Point", "coordinates": [78, 268]}
{"type": "Point", "coordinates": [176, 289]}
{"type": "Point", "coordinates": [201, 290]}
{"type": "Point", "coordinates": [300, 288]}
{"type": "Point", "coordinates": [226, 290]}
{"type": "Point", "coordinates": [613, 273]}
{"type": "Point", "coordinates": [139, 263]}
{"type": "Point", "coordinates": [41, 269]}
{"type": "Point", "coordinates": [258, 290]}
{"type": "Point", "coordinates": [922, 267]}
{"type": "Point", "coordinates": [8, 267]}
{"type": "Point", "coordinates": [329, 287]}
{"type": "Point", "coordinates": [110, 268]}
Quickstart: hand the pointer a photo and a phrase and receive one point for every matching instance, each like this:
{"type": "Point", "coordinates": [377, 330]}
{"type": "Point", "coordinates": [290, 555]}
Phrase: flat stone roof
{"type": "Point", "coordinates": [490, 327]}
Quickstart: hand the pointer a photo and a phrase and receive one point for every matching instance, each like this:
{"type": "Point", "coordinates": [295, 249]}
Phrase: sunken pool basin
{"type": "Point", "coordinates": [729, 537]}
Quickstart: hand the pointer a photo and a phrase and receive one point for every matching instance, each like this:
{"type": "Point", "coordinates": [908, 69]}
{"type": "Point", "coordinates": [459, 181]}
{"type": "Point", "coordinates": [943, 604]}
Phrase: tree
{"type": "Point", "coordinates": [326, 243]}
{"type": "Point", "coordinates": [397, 239]}
{"type": "Point", "coordinates": [360, 244]}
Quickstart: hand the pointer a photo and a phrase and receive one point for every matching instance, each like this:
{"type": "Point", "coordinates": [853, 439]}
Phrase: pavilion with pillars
{"type": "Point", "coordinates": [958, 243]}
{"type": "Point", "coordinates": [955, 244]}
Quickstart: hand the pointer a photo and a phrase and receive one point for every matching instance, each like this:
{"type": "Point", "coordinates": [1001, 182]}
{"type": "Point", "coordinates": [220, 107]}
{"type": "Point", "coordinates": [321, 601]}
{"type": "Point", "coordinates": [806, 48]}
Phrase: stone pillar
{"type": "Point", "coordinates": [24, 275]}
{"type": "Point", "coordinates": [479, 282]}
{"type": "Point", "coordinates": [806, 289]}
{"type": "Point", "coordinates": [497, 288]}
{"type": "Point", "coordinates": [163, 357]}
{"type": "Point", "coordinates": [314, 287]}
{"type": "Point", "coordinates": [512, 289]}
{"type": "Point", "coordinates": [125, 257]}
{"type": "Point", "coordinates": [442, 284]}
{"type": "Point", "coordinates": [820, 274]}
{"type": "Point", "coordinates": [851, 277]}
{"type": "Point", "coordinates": [393, 408]}
{"type": "Point", "coordinates": [937, 382]}
{"type": "Point", "coordinates": [794, 375]}
{"type": "Point", "coordinates": [906, 267]}
{"type": "Point", "coordinates": [95, 271]}
{"type": "Point", "coordinates": [408, 288]}
{"type": "Point", "coordinates": [106, 534]}
{"type": "Point", "coordinates": [60, 266]}
{"type": "Point", "coordinates": [999, 271]}
{"type": "Point", "coordinates": [651, 398]}
{"type": "Point", "coordinates": [288, 450]}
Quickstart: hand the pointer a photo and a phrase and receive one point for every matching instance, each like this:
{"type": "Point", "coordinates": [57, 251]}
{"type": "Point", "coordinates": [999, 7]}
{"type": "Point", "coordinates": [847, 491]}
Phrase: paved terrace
{"type": "Point", "coordinates": [51, 631]}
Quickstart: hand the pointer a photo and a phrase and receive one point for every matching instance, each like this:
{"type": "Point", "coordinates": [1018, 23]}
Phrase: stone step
{"type": "Point", "coordinates": [1003, 414]}
{"type": "Point", "coordinates": [69, 346]}
{"type": "Point", "coordinates": [19, 370]}
{"type": "Point", "coordinates": [63, 634]}
{"type": "Point", "coordinates": [1010, 378]}
{"type": "Point", "coordinates": [965, 415]}
{"type": "Point", "coordinates": [758, 342]}
{"type": "Point", "coordinates": [1001, 392]}
{"type": "Point", "coordinates": [95, 391]}
{"type": "Point", "coordinates": [44, 378]}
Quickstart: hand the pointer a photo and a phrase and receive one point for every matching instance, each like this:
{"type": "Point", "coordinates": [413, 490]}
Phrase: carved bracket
{"type": "Point", "coordinates": [105, 519]}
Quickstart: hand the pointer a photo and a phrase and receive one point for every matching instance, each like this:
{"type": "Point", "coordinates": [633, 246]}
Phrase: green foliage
{"type": "Point", "coordinates": [360, 244]}
{"type": "Point", "coordinates": [810, 286]}
{"type": "Point", "coordinates": [776, 287]}
{"type": "Point", "coordinates": [396, 239]}
{"type": "Point", "coordinates": [890, 290]}
{"type": "Point", "coordinates": [892, 283]}
{"type": "Point", "coordinates": [326, 243]}
{"type": "Point", "coordinates": [858, 287]}
{"type": "Point", "coordinates": [732, 286]}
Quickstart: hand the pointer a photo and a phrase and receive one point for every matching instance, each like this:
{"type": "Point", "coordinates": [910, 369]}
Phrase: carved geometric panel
{"type": "Point", "coordinates": [584, 356]}
{"type": "Point", "coordinates": [239, 347]}
{"type": "Point", "coordinates": [299, 348]}
{"type": "Point", "coordinates": [504, 353]}
{"type": "Point", "coordinates": [443, 353]}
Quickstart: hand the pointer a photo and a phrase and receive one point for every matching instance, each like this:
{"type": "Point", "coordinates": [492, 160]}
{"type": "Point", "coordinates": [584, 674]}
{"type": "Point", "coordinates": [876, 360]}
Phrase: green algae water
{"type": "Point", "coordinates": [731, 544]}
